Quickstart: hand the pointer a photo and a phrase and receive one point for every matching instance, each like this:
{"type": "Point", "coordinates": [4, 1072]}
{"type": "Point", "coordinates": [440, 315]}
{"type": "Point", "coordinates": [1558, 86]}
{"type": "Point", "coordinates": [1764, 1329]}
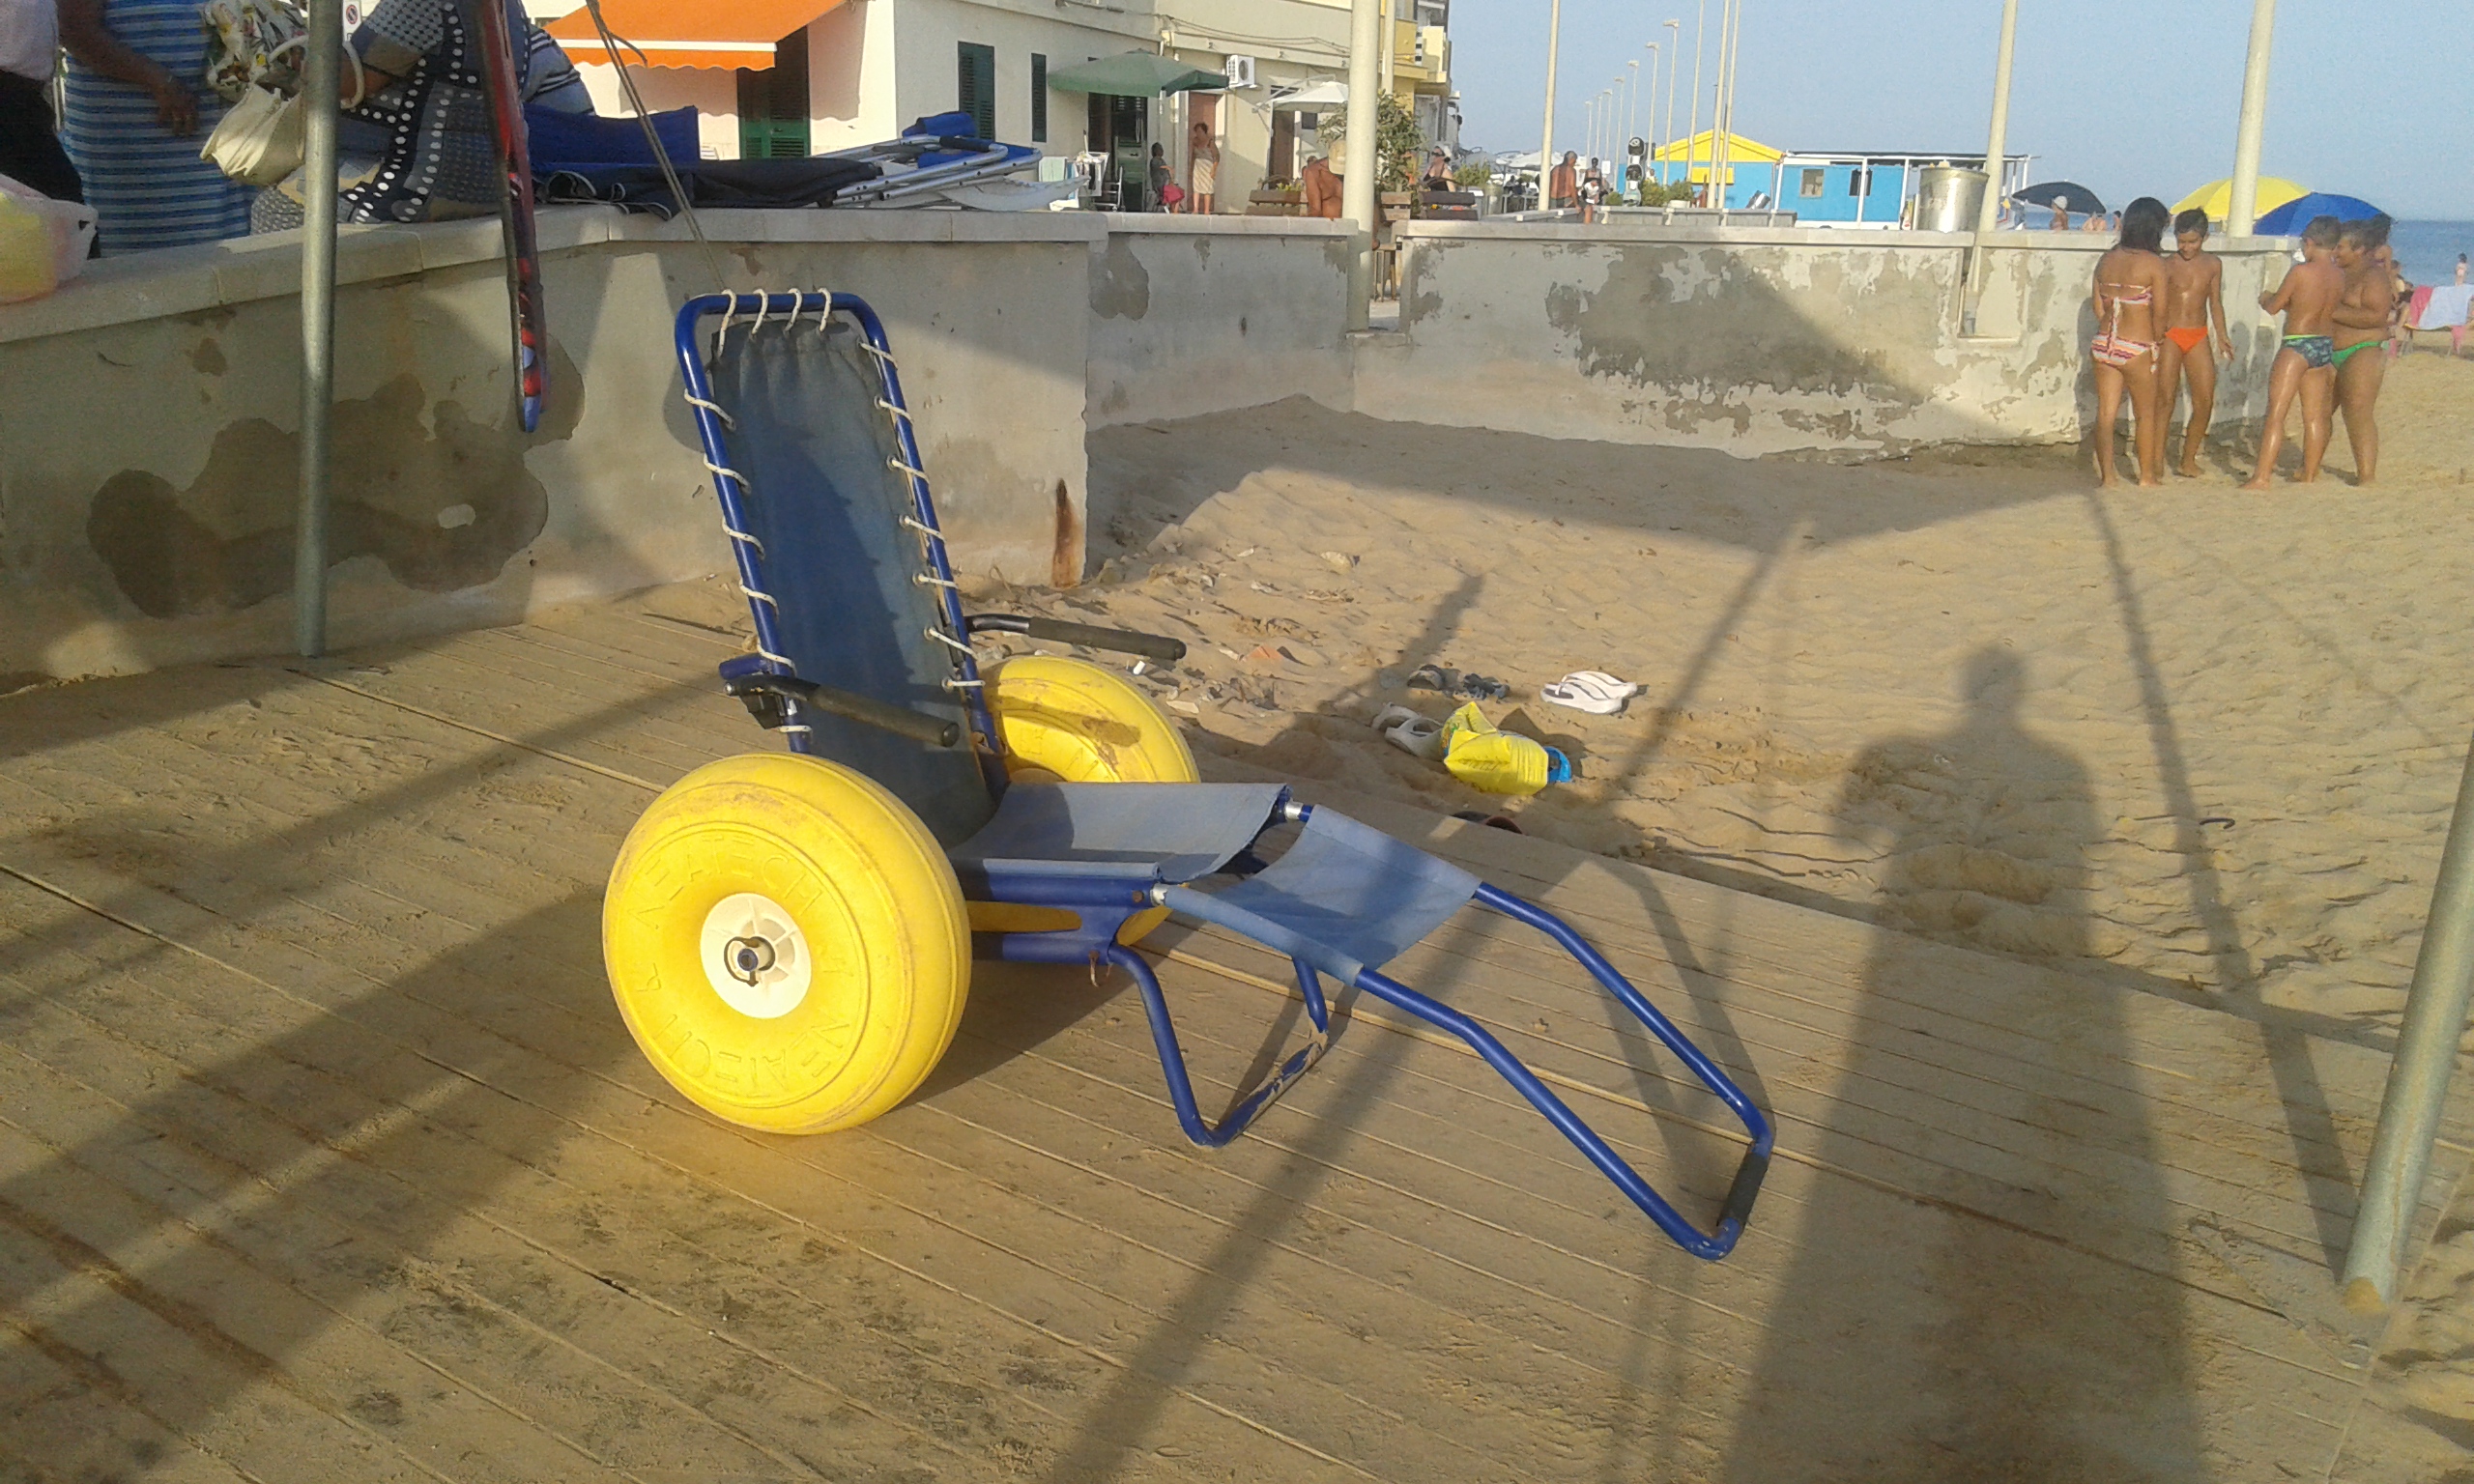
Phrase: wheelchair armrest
{"type": "Point", "coordinates": [1151, 646]}
{"type": "Point", "coordinates": [758, 688]}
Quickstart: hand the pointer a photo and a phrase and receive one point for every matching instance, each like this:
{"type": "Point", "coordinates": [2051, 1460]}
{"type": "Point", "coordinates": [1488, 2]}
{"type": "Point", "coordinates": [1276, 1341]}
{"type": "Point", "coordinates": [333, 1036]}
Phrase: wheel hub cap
{"type": "Point", "coordinates": [755, 956]}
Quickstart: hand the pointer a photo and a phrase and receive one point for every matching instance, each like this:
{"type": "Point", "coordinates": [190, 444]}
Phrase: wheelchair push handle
{"type": "Point", "coordinates": [1151, 646]}
{"type": "Point", "coordinates": [866, 710]}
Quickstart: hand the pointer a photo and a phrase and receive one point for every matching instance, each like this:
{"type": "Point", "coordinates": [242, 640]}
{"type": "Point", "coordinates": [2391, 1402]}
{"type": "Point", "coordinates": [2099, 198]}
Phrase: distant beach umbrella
{"type": "Point", "coordinates": [2216, 198]}
{"type": "Point", "coordinates": [2289, 219]}
{"type": "Point", "coordinates": [2076, 199]}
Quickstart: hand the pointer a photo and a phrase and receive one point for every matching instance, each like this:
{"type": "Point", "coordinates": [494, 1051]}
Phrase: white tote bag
{"type": "Point", "coordinates": [262, 138]}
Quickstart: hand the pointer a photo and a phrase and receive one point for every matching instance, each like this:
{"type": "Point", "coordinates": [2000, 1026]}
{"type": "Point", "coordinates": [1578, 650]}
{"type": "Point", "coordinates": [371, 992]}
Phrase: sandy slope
{"type": "Point", "coordinates": [2201, 738]}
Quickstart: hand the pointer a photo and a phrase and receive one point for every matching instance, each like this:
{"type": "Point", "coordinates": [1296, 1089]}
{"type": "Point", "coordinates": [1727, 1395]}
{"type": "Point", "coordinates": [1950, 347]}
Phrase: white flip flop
{"type": "Point", "coordinates": [1589, 691]}
{"type": "Point", "coordinates": [1419, 737]}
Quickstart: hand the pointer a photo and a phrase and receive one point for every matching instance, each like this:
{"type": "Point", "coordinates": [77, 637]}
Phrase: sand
{"type": "Point", "coordinates": [2201, 739]}
{"type": "Point", "coordinates": [2198, 740]}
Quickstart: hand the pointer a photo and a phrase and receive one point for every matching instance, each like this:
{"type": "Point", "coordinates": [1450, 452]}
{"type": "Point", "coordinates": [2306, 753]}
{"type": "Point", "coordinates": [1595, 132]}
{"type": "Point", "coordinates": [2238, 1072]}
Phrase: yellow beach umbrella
{"type": "Point", "coordinates": [2216, 198]}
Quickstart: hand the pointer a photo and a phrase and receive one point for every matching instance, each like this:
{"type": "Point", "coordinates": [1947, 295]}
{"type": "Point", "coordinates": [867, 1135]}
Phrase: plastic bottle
{"type": "Point", "coordinates": [1493, 762]}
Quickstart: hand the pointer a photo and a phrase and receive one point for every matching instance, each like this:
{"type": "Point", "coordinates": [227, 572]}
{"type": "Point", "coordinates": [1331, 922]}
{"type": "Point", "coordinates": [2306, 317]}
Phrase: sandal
{"type": "Point", "coordinates": [1419, 737]}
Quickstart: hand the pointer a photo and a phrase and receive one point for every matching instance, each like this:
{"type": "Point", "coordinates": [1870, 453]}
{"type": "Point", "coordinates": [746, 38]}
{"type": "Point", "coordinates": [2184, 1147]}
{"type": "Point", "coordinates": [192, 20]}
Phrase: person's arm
{"type": "Point", "coordinates": [92, 43]}
{"type": "Point", "coordinates": [2275, 299]}
{"type": "Point", "coordinates": [2216, 309]}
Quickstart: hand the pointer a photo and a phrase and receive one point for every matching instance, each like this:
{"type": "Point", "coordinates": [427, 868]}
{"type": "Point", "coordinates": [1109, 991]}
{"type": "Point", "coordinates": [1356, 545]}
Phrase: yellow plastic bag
{"type": "Point", "coordinates": [1492, 761]}
{"type": "Point", "coordinates": [28, 269]}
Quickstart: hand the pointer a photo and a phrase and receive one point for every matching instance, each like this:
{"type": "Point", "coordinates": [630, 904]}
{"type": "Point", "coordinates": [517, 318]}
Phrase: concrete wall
{"type": "Point", "coordinates": [1777, 340]}
{"type": "Point", "coordinates": [1194, 315]}
{"type": "Point", "coordinates": [149, 418]}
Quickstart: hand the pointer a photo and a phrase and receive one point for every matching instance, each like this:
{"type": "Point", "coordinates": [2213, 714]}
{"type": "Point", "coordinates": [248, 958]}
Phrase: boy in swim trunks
{"type": "Point", "coordinates": [2194, 301]}
{"type": "Point", "coordinates": [2361, 328]}
{"type": "Point", "coordinates": [2305, 364]}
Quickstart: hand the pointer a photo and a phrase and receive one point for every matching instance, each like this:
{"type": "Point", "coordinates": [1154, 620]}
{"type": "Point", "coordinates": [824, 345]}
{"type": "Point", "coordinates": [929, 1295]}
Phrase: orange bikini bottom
{"type": "Point", "coordinates": [2190, 337]}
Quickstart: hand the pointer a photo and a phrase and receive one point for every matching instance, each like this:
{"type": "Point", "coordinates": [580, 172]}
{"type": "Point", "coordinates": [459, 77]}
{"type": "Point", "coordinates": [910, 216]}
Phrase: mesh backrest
{"type": "Point", "coordinates": [815, 449]}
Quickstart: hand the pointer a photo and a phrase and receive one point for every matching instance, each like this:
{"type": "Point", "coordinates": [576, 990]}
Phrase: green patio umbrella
{"type": "Point", "coordinates": [1135, 74]}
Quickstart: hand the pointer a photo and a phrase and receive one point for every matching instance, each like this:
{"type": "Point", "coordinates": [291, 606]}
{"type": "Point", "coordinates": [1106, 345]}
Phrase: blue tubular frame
{"type": "Point", "coordinates": [729, 486]}
{"type": "Point", "coordinates": [1103, 903]}
{"type": "Point", "coordinates": [1735, 1210]}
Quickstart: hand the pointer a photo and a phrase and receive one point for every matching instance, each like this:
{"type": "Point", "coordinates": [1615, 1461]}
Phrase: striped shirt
{"type": "Point", "coordinates": [149, 189]}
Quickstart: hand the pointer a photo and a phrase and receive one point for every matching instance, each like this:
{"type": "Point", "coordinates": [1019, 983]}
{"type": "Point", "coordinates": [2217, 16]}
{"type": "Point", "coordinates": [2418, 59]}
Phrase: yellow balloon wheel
{"type": "Point", "coordinates": [1071, 721]}
{"type": "Point", "coordinates": [787, 943]}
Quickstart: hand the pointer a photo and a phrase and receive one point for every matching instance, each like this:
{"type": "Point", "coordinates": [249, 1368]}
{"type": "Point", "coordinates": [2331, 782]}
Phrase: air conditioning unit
{"type": "Point", "coordinates": [1241, 72]}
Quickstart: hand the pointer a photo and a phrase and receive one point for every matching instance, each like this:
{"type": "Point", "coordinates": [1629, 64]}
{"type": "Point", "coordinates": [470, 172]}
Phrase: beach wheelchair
{"type": "Point", "coordinates": [790, 935]}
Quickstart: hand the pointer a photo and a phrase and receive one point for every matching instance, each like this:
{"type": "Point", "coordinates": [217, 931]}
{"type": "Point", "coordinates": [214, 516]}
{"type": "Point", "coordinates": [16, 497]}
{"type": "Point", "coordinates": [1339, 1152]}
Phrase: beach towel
{"type": "Point", "coordinates": [2449, 302]}
{"type": "Point", "coordinates": [2415, 303]}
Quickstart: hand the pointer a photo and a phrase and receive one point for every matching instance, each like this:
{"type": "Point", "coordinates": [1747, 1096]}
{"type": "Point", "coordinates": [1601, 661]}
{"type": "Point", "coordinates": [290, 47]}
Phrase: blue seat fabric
{"type": "Point", "coordinates": [1346, 897]}
{"type": "Point", "coordinates": [837, 561]}
{"type": "Point", "coordinates": [1151, 831]}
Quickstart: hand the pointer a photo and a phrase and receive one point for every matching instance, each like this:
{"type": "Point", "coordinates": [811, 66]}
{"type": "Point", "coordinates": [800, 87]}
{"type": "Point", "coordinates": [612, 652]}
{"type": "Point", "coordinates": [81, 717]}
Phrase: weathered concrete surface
{"type": "Point", "coordinates": [149, 425]}
{"type": "Point", "coordinates": [1195, 315]}
{"type": "Point", "coordinates": [1766, 342]}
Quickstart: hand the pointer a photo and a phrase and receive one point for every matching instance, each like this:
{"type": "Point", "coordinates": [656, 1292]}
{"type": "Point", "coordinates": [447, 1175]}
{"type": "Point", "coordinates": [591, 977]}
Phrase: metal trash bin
{"type": "Point", "coordinates": [1947, 199]}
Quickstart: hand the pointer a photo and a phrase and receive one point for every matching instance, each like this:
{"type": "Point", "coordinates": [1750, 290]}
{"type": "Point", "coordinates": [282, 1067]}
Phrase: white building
{"type": "Point", "coordinates": [794, 78]}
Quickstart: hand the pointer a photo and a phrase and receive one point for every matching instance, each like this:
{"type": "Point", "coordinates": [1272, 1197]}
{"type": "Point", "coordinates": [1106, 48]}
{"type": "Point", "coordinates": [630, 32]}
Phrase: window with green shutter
{"type": "Point", "coordinates": [1039, 97]}
{"type": "Point", "coordinates": [975, 90]}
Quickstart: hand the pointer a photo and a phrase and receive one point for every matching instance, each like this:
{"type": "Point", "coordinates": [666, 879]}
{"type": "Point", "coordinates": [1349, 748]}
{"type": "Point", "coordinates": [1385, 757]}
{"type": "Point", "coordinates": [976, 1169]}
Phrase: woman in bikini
{"type": "Point", "coordinates": [2130, 298]}
{"type": "Point", "coordinates": [2361, 327]}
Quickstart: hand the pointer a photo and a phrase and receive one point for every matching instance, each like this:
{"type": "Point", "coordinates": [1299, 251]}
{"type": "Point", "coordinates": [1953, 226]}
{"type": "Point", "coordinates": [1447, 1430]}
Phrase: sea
{"type": "Point", "coordinates": [2427, 250]}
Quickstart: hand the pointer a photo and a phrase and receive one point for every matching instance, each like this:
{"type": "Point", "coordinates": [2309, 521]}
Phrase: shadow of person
{"type": "Point", "coordinates": [1969, 1298]}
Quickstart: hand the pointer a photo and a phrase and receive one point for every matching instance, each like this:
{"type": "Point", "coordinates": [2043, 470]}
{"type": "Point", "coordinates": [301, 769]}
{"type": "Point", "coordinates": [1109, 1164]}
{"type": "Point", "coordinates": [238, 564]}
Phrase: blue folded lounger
{"type": "Point", "coordinates": [788, 938]}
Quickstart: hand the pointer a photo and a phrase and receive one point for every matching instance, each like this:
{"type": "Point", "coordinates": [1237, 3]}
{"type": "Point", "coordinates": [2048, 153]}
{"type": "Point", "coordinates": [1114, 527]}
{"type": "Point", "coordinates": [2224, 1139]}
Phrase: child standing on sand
{"type": "Point", "coordinates": [2194, 301]}
{"type": "Point", "coordinates": [2306, 362]}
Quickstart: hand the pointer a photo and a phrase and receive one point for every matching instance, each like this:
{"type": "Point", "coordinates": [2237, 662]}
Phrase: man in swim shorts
{"type": "Point", "coordinates": [2361, 327]}
{"type": "Point", "coordinates": [2194, 301]}
{"type": "Point", "coordinates": [2305, 364]}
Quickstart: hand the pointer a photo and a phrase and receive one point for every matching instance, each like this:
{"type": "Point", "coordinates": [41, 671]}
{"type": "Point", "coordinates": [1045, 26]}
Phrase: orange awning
{"type": "Point", "coordinates": [688, 33]}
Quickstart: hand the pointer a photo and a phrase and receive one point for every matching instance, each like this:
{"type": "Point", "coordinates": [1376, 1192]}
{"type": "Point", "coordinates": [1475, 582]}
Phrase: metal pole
{"type": "Point", "coordinates": [1357, 179]}
{"type": "Point", "coordinates": [1629, 116]}
{"type": "Point", "coordinates": [1997, 142]}
{"type": "Point", "coordinates": [2241, 214]}
{"type": "Point", "coordinates": [1554, 31]}
{"type": "Point", "coordinates": [2435, 1007]}
{"type": "Point", "coordinates": [1722, 106]}
{"type": "Point", "coordinates": [1391, 28]}
{"type": "Point", "coordinates": [1675, 54]}
{"type": "Point", "coordinates": [1693, 125]}
{"type": "Point", "coordinates": [321, 84]}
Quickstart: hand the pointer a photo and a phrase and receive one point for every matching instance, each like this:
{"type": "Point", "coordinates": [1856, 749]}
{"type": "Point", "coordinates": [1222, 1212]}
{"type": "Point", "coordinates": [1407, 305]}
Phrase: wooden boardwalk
{"type": "Point", "coordinates": [324, 1156]}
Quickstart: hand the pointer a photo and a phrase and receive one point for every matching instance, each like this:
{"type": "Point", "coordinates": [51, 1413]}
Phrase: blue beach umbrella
{"type": "Point", "coordinates": [2289, 219]}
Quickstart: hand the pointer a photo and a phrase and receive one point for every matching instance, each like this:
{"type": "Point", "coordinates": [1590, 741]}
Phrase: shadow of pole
{"type": "Point", "coordinates": [2308, 1121]}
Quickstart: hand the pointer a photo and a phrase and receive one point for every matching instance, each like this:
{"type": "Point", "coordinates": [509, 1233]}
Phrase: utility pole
{"type": "Point", "coordinates": [2242, 212]}
{"type": "Point", "coordinates": [1997, 142]}
{"type": "Point", "coordinates": [1674, 54]}
{"type": "Point", "coordinates": [1357, 181]}
{"type": "Point", "coordinates": [1546, 149]}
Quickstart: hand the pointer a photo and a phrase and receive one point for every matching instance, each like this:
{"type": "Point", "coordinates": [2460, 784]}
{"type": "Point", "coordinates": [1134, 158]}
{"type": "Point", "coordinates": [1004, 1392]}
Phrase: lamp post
{"type": "Point", "coordinates": [1996, 144]}
{"type": "Point", "coordinates": [1631, 120]}
{"type": "Point", "coordinates": [2241, 213]}
{"type": "Point", "coordinates": [1674, 54]}
{"type": "Point", "coordinates": [1546, 147]}
{"type": "Point", "coordinates": [1693, 123]}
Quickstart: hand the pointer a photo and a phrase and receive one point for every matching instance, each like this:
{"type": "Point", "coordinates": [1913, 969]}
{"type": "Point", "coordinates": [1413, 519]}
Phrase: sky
{"type": "Point", "coordinates": [2126, 97]}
